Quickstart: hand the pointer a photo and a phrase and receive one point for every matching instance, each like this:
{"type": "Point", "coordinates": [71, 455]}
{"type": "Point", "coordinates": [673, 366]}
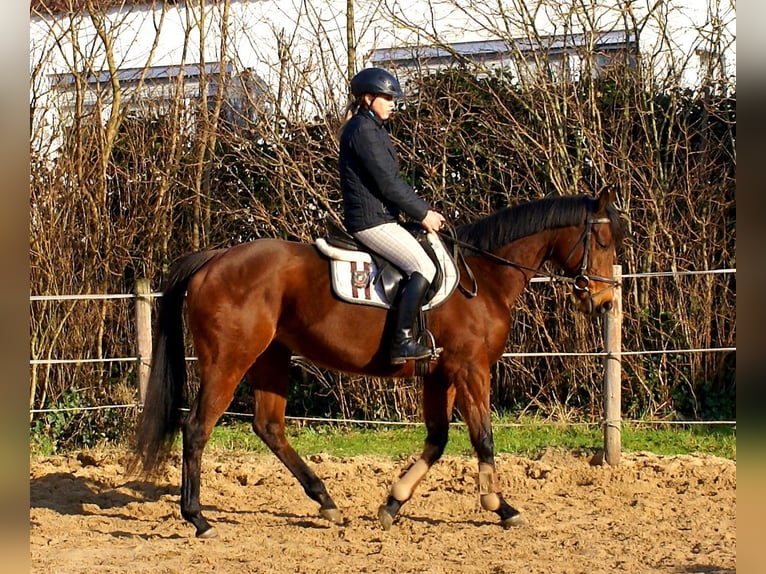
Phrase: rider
{"type": "Point", "coordinates": [374, 193]}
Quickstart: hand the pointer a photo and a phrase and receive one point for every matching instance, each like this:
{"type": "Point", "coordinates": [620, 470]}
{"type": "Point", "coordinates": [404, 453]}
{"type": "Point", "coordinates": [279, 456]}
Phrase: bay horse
{"type": "Point", "coordinates": [252, 306]}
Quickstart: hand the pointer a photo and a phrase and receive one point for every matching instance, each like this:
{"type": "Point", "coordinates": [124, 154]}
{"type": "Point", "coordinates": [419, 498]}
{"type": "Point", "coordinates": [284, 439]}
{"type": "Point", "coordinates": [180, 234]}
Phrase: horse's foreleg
{"type": "Point", "coordinates": [269, 378]}
{"type": "Point", "coordinates": [489, 489]}
{"type": "Point", "coordinates": [476, 416]}
{"type": "Point", "coordinates": [437, 410]}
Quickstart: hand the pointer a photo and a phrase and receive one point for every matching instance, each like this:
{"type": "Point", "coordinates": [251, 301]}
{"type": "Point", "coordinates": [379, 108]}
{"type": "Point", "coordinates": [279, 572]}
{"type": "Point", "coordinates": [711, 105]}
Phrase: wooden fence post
{"type": "Point", "coordinates": [143, 335]}
{"type": "Point", "coordinates": [612, 375]}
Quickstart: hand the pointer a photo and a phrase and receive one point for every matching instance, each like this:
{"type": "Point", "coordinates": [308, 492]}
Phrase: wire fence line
{"type": "Point", "coordinates": [296, 359]}
{"type": "Point", "coordinates": [370, 422]}
{"type": "Point", "coordinates": [85, 297]}
{"type": "Point", "coordinates": [33, 362]}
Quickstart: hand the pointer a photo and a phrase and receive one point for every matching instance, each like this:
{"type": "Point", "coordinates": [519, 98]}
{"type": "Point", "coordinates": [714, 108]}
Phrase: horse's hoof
{"type": "Point", "coordinates": [385, 517]}
{"type": "Point", "coordinates": [208, 534]}
{"type": "Point", "coordinates": [512, 521]}
{"type": "Point", "coordinates": [332, 514]}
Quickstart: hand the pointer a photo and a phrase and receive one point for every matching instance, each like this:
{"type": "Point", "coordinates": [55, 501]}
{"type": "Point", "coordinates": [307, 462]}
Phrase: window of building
{"type": "Point", "coordinates": [155, 90]}
{"type": "Point", "coordinates": [561, 57]}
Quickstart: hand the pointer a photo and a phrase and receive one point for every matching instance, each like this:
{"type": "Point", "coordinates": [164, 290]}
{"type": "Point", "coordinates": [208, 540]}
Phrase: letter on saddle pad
{"type": "Point", "coordinates": [357, 278]}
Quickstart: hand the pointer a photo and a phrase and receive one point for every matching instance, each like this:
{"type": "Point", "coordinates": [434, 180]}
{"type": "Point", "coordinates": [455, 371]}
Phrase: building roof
{"type": "Point", "coordinates": [62, 6]}
{"type": "Point", "coordinates": [615, 39]}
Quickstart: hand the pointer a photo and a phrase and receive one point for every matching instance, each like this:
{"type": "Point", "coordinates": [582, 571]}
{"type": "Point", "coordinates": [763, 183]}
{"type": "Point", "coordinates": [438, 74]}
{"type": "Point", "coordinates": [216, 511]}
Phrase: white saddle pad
{"type": "Point", "coordinates": [353, 275]}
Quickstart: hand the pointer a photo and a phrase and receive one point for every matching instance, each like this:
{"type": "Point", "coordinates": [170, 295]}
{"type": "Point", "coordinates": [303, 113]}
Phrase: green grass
{"type": "Point", "coordinates": [529, 440]}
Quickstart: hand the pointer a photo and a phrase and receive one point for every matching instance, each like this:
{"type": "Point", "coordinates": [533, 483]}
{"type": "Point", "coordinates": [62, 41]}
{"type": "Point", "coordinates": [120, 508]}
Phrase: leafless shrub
{"type": "Point", "coordinates": [130, 189]}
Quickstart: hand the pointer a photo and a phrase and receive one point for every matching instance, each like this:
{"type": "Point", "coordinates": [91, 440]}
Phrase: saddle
{"type": "Point", "coordinates": [362, 277]}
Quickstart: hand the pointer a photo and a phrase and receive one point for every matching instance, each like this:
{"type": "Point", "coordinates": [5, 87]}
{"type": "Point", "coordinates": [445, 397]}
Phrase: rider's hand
{"type": "Point", "coordinates": [433, 221]}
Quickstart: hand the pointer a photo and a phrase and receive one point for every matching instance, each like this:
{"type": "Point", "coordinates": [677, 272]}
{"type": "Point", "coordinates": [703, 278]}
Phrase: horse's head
{"type": "Point", "coordinates": [588, 252]}
{"type": "Point", "coordinates": [579, 234]}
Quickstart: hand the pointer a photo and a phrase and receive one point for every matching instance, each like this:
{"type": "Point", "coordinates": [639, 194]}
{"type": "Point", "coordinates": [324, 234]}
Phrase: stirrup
{"type": "Point", "coordinates": [409, 351]}
{"type": "Point", "coordinates": [400, 359]}
{"type": "Point", "coordinates": [435, 351]}
{"type": "Point", "coordinates": [429, 351]}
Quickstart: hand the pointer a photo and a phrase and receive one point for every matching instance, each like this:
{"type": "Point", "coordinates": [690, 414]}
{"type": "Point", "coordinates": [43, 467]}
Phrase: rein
{"type": "Point", "coordinates": [580, 282]}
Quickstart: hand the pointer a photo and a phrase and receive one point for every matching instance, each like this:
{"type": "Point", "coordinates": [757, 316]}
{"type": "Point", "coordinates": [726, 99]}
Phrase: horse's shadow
{"type": "Point", "coordinates": [66, 493]}
{"type": "Point", "coordinates": [304, 521]}
{"type": "Point", "coordinates": [440, 522]}
{"type": "Point", "coordinates": [703, 569]}
{"type": "Point", "coordinates": [313, 522]}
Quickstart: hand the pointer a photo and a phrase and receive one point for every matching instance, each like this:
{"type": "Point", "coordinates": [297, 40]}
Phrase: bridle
{"type": "Point", "coordinates": [580, 282]}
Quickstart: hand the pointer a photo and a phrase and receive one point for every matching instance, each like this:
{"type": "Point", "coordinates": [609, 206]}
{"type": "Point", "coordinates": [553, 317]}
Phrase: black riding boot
{"type": "Point", "coordinates": [404, 347]}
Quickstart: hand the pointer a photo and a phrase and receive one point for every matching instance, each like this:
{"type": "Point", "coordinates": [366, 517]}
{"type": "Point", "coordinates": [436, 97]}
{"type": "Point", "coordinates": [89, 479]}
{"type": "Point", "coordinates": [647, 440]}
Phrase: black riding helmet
{"type": "Point", "coordinates": [375, 81]}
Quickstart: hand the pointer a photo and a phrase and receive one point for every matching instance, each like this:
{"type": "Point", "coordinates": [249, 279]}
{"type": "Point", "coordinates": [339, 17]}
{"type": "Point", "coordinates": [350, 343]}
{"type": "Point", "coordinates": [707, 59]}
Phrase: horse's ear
{"type": "Point", "coordinates": [607, 196]}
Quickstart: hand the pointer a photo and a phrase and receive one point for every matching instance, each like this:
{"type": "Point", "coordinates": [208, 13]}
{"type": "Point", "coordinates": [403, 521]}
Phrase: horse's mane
{"type": "Point", "coordinates": [511, 223]}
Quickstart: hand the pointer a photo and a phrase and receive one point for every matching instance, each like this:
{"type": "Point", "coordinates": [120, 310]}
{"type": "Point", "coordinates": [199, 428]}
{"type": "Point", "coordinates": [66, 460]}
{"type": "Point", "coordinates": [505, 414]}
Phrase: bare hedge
{"type": "Point", "coordinates": [115, 207]}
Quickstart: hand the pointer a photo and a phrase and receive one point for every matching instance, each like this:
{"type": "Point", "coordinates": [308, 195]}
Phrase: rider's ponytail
{"type": "Point", "coordinates": [351, 110]}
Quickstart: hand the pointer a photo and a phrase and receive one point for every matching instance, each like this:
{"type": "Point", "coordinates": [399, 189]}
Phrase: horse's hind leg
{"type": "Point", "coordinates": [269, 379]}
{"type": "Point", "coordinates": [216, 391]}
{"type": "Point", "coordinates": [438, 401]}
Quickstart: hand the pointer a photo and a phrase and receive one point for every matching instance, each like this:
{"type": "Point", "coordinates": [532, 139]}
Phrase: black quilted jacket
{"type": "Point", "coordinates": [374, 191]}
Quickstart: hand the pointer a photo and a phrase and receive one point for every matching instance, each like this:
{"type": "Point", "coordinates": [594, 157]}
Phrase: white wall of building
{"type": "Point", "coordinates": [310, 75]}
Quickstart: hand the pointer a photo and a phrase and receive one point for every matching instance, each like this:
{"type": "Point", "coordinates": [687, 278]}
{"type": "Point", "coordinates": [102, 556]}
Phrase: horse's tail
{"type": "Point", "coordinates": [160, 419]}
